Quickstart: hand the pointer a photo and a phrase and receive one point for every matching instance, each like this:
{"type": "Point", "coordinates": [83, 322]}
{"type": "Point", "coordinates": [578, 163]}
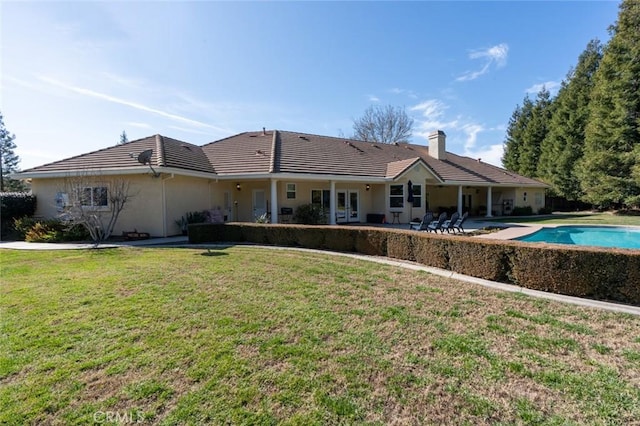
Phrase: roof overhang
{"type": "Point", "coordinates": [142, 170]}
{"type": "Point", "coordinates": [115, 171]}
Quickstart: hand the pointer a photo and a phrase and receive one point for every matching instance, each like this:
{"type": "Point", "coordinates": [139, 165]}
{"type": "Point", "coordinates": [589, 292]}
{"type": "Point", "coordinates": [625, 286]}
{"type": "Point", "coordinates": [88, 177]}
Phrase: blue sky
{"type": "Point", "coordinates": [74, 75]}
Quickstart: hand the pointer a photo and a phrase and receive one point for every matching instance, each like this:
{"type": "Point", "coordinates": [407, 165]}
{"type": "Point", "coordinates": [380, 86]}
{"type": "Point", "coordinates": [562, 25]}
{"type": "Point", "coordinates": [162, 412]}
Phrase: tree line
{"type": "Point", "coordinates": [585, 141]}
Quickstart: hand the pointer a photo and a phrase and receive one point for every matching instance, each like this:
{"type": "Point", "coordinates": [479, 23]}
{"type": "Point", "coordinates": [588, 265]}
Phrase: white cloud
{"type": "Point", "coordinates": [138, 125]}
{"type": "Point", "coordinates": [551, 86]}
{"type": "Point", "coordinates": [491, 154]}
{"type": "Point", "coordinates": [495, 55]}
{"type": "Point", "coordinates": [397, 91]}
{"type": "Point", "coordinates": [373, 98]}
{"type": "Point", "coordinates": [463, 134]}
{"type": "Point", "coordinates": [431, 114]}
{"type": "Point", "coordinates": [471, 131]}
{"type": "Point", "coordinates": [131, 104]}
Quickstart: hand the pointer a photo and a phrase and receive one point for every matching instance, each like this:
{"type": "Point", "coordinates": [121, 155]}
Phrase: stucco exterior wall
{"type": "Point", "coordinates": [143, 212]}
{"type": "Point", "coordinates": [184, 194]}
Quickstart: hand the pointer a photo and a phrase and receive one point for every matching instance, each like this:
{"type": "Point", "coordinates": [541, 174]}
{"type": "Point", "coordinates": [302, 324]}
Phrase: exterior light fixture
{"type": "Point", "coordinates": [367, 187]}
{"type": "Point", "coordinates": [238, 187]}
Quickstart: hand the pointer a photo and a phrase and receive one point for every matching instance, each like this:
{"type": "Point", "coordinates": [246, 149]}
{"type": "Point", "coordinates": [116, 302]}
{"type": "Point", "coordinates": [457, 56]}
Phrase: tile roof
{"type": "Point", "coordinates": [167, 152]}
{"type": "Point", "coordinates": [274, 151]}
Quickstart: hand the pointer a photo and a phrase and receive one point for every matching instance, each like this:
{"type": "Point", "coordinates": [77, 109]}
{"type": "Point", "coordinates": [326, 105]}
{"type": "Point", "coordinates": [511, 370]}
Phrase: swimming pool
{"type": "Point", "coordinates": [601, 236]}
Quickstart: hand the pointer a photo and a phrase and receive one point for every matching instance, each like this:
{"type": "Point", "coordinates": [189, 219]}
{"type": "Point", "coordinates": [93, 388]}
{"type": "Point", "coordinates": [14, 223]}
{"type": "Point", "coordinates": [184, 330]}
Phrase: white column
{"type": "Point", "coordinates": [274, 201]}
{"type": "Point", "coordinates": [489, 201]}
{"type": "Point", "coordinates": [460, 199]}
{"type": "Point", "coordinates": [332, 204]}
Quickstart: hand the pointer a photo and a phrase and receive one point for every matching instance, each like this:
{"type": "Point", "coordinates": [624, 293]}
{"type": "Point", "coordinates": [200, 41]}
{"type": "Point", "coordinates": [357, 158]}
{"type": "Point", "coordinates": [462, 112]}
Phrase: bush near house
{"type": "Point", "coordinates": [48, 231]}
{"type": "Point", "coordinates": [596, 273]}
{"type": "Point", "coordinates": [522, 211]}
{"type": "Point", "coordinates": [310, 214]}
{"type": "Point", "coordinates": [15, 205]}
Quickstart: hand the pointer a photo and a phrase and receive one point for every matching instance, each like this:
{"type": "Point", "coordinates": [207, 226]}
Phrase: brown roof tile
{"type": "Point", "coordinates": [167, 152]}
{"type": "Point", "coordinates": [249, 152]}
{"type": "Point", "coordinates": [290, 152]}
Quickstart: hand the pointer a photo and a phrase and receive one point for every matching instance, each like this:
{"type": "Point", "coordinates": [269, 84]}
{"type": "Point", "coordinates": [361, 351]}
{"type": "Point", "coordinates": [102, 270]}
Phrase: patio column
{"type": "Point", "coordinates": [274, 201]}
{"type": "Point", "coordinates": [489, 201]}
{"type": "Point", "coordinates": [332, 203]}
{"type": "Point", "coordinates": [460, 199]}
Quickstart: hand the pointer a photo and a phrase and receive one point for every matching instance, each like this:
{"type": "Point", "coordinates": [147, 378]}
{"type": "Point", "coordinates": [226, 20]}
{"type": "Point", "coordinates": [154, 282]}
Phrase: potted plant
{"type": "Point", "coordinates": [183, 224]}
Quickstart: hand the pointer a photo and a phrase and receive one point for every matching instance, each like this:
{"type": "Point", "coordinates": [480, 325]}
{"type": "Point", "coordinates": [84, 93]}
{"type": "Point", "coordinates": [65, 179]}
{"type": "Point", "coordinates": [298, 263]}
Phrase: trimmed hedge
{"type": "Point", "coordinates": [596, 273]}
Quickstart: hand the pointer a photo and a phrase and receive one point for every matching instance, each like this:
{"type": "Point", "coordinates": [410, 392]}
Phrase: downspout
{"type": "Point", "coordinates": [164, 205]}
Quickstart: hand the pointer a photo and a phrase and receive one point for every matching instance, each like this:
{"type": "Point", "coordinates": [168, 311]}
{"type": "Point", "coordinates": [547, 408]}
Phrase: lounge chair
{"type": "Point", "coordinates": [426, 220]}
{"type": "Point", "coordinates": [447, 225]}
{"type": "Point", "coordinates": [437, 224]}
{"type": "Point", "coordinates": [459, 222]}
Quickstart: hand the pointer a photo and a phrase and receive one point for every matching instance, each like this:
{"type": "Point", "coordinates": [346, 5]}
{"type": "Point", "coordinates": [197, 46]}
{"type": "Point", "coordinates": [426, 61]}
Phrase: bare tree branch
{"type": "Point", "coordinates": [386, 124]}
{"type": "Point", "coordinates": [94, 202]}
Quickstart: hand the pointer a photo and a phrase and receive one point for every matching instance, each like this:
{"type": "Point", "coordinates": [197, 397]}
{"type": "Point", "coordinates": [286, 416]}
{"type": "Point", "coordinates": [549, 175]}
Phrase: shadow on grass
{"type": "Point", "coordinates": [214, 252]}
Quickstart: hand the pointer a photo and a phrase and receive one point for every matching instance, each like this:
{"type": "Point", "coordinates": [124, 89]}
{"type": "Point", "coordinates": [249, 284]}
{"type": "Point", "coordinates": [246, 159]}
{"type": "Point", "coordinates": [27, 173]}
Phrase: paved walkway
{"type": "Point", "coordinates": [22, 245]}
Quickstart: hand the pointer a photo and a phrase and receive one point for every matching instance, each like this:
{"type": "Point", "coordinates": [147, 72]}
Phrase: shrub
{"type": "Point", "coordinates": [196, 217]}
{"type": "Point", "coordinates": [545, 210]}
{"type": "Point", "coordinates": [51, 231]}
{"type": "Point", "coordinates": [309, 214]}
{"type": "Point", "coordinates": [15, 205]}
{"type": "Point", "coordinates": [22, 225]}
{"type": "Point", "coordinates": [522, 211]}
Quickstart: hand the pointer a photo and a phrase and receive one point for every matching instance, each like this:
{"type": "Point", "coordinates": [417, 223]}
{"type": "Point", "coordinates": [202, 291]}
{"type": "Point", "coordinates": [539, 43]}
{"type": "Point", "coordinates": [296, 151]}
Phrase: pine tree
{"type": "Point", "coordinates": [8, 160]}
{"type": "Point", "coordinates": [609, 169]}
{"type": "Point", "coordinates": [562, 149]}
{"type": "Point", "coordinates": [123, 138]}
{"type": "Point", "coordinates": [513, 145]}
{"type": "Point", "coordinates": [534, 133]}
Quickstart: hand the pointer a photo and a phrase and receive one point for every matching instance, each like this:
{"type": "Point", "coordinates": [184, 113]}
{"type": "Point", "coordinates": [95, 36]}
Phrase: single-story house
{"type": "Point", "coordinates": [271, 173]}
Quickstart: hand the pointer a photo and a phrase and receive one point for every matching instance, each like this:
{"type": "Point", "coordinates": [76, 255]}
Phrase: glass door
{"type": "Point", "coordinates": [259, 203]}
{"type": "Point", "coordinates": [347, 206]}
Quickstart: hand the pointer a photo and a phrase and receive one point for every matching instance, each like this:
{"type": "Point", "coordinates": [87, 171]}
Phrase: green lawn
{"type": "Point", "coordinates": [257, 336]}
{"type": "Point", "coordinates": [575, 218]}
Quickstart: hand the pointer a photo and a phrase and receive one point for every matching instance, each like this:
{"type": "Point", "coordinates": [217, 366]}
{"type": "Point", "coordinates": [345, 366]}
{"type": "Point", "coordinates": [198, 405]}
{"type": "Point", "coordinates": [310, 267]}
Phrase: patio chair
{"type": "Point", "coordinates": [437, 224]}
{"type": "Point", "coordinates": [460, 222]}
{"type": "Point", "coordinates": [447, 225]}
{"type": "Point", "coordinates": [426, 220]}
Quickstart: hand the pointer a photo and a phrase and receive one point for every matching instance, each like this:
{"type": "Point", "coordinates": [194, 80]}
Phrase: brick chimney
{"type": "Point", "coordinates": [437, 145]}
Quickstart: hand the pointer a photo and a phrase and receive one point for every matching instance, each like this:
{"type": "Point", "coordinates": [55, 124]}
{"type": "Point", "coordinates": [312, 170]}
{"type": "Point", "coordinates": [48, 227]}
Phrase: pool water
{"type": "Point", "coordinates": [601, 236]}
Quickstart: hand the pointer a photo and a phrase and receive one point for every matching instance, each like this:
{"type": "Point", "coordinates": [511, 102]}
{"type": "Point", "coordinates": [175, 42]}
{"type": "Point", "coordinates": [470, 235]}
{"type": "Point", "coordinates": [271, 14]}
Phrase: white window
{"type": "Point", "coordinates": [417, 195]}
{"type": "Point", "coordinates": [94, 196]}
{"type": "Point", "coordinates": [291, 191]}
{"type": "Point", "coordinates": [396, 196]}
{"type": "Point", "coordinates": [321, 198]}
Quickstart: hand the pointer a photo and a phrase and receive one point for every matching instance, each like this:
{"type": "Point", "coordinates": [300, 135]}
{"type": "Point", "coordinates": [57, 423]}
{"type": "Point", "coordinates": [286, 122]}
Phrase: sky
{"type": "Point", "coordinates": [75, 75]}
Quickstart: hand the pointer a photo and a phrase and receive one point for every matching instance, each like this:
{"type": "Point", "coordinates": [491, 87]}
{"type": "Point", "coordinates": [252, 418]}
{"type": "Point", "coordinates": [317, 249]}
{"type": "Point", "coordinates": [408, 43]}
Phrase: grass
{"type": "Point", "coordinates": [575, 218]}
{"type": "Point", "coordinates": [253, 336]}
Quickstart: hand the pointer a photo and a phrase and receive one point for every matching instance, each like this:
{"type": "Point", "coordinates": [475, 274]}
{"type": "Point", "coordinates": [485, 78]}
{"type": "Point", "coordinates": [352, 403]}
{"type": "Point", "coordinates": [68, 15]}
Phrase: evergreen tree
{"type": "Point", "coordinates": [563, 146]}
{"type": "Point", "coordinates": [534, 133]}
{"type": "Point", "coordinates": [609, 169]}
{"type": "Point", "coordinates": [513, 145]}
{"type": "Point", "coordinates": [8, 161]}
{"type": "Point", "coordinates": [123, 138]}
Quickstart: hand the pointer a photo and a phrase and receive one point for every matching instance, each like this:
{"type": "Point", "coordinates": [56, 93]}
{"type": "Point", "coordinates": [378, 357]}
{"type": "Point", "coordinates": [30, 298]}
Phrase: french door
{"type": "Point", "coordinates": [347, 206]}
{"type": "Point", "coordinates": [259, 203]}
